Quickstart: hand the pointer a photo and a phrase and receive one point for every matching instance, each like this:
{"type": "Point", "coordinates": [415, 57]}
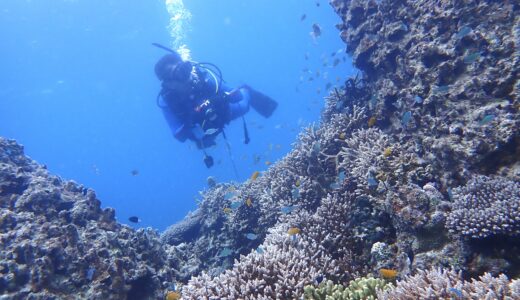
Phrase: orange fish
{"type": "Point", "coordinates": [171, 295]}
{"type": "Point", "coordinates": [389, 274]}
{"type": "Point", "coordinates": [254, 175]}
{"type": "Point", "coordinates": [293, 231]}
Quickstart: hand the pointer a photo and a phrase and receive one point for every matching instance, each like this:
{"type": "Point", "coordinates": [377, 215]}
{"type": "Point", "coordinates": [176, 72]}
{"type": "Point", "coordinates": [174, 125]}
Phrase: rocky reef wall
{"type": "Point", "coordinates": [57, 243]}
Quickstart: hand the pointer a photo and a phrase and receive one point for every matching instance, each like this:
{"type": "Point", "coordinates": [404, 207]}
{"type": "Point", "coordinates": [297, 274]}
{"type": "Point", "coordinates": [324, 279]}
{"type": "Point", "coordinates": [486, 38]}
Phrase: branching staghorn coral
{"type": "Point", "coordinates": [359, 289]}
{"type": "Point", "coordinates": [486, 206]}
{"type": "Point", "coordinates": [286, 263]}
{"type": "Point", "coordinates": [284, 266]}
{"type": "Point", "coordinates": [448, 284]}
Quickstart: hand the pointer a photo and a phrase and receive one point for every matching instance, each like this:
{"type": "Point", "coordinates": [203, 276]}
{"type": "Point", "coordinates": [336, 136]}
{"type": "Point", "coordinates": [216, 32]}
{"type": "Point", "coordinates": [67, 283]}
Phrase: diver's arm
{"type": "Point", "coordinates": [177, 127]}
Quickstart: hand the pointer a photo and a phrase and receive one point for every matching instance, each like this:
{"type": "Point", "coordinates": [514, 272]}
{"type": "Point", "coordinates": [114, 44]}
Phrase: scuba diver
{"type": "Point", "coordinates": [197, 105]}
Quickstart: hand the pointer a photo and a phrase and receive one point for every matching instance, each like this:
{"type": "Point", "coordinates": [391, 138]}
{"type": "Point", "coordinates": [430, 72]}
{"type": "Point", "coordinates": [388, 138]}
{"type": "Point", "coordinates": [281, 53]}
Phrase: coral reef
{"type": "Point", "coordinates": [56, 241]}
{"type": "Point", "coordinates": [358, 289]}
{"type": "Point", "coordinates": [448, 284]}
{"type": "Point", "coordinates": [415, 164]}
{"type": "Point", "coordinates": [428, 113]}
{"type": "Point", "coordinates": [485, 207]}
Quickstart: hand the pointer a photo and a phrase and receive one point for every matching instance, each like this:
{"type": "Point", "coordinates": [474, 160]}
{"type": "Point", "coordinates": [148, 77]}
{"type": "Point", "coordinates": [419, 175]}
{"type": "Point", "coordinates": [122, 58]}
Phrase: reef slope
{"type": "Point", "coordinates": [57, 243]}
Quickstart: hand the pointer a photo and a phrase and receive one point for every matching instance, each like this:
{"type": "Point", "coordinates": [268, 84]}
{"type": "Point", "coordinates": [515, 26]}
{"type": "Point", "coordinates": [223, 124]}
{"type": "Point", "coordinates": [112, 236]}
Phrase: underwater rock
{"type": "Point", "coordinates": [56, 241]}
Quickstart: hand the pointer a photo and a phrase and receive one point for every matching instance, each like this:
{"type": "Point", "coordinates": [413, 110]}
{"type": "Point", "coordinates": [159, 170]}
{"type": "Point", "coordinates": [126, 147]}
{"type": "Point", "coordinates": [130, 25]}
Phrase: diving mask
{"type": "Point", "coordinates": [180, 71]}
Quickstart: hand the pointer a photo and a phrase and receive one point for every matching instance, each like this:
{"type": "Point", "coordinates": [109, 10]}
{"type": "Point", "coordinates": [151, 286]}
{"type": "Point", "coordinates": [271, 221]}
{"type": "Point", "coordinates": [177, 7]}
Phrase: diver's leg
{"type": "Point", "coordinates": [240, 108]}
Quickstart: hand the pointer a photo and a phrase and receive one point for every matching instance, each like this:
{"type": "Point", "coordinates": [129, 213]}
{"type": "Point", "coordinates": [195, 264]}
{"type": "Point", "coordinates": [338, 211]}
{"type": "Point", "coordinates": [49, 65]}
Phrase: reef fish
{"type": "Point", "coordinates": [134, 219]}
{"type": "Point", "coordinates": [303, 17]}
{"type": "Point", "coordinates": [235, 204]}
{"type": "Point", "coordinates": [316, 30]}
{"type": "Point", "coordinates": [211, 181]}
{"type": "Point", "coordinates": [293, 231]}
{"type": "Point", "coordinates": [407, 116]}
{"type": "Point", "coordinates": [259, 250]}
{"type": "Point", "coordinates": [471, 57]}
{"type": "Point", "coordinates": [464, 30]}
{"type": "Point", "coordinates": [255, 175]}
{"type": "Point", "coordinates": [457, 292]}
{"type": "Point", "coordinates": [249, 202]}
{"type": "Point", "coordinates": [225, 252]}
{"type": "Point", "coordinates": [251, 236]}
{"type": "Point", "coordinates": [372, 182]}
{"type": "Point", "coordinates": [295, 193]}
{"type": "Point", "coordinates": [389, 274]}
{"type": "Point", "coordinates": [173, 295]}
{"type": "Point", "coordinates": [288, 209]}
{"type": "Point", "coordinates": [90, 273]}
{"type": "Point", "coordinates": [134, 172]}
{"type": "Point", "coordinates": [486, 119]}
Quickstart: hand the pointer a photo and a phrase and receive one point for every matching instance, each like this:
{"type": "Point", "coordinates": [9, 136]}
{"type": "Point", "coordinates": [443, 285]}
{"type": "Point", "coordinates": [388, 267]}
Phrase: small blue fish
{"type": "Point", "coordinates": [316, 147]}
{"type": "Point", "coordinates": [450, 194]}
{"type": "Point", "coordinates": [251, 236]}
{"type": "Point", "coordinates": [259, 250]}
{"type": "Point", "coordinates": [486, 119]}
{"type": "Point", "coordinates": [229, 195]}
{"type": "Point", "coordinates": [295, 193]}
{"type": "Point", "coordinates": [235, 204]}
{"type": "Point", "coordinates": [457, 292]}
{"type": "Point", "coordinates": [407, 116]}
{"type": "Point", "coordinates": [464, 30]}
{"type": "Point", "coordinates": [225, 252]}
{"type": "Point", "coordinates": [341, 177]}
{"type": "Point", "coordinates": [418, 99]}
{"type": "Point", "coordinates": [442, 89]}
{"type": "Point", "coordinates": [471, 57]}
{"type": "Point", "coordinates": [403, 26]}
{"type": "Point", "coordinates": [288, 209]}
{"type": "Point", "coordinates": [372, 182]}
{"type": "Point", "coordinates": [373, 101]}
{"type": "Point", "coordinates": [90, 273]}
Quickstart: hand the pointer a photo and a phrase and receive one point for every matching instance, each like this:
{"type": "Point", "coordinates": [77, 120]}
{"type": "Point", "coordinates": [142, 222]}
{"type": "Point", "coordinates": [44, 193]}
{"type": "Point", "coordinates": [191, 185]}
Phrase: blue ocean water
{"type": "Point", "coordinates": [77, 89]}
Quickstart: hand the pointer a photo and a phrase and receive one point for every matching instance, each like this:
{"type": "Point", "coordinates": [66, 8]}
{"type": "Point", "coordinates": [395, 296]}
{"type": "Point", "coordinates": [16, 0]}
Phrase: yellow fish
{"type": "Point", "coordinates": [267, 163]}
{"type": "Point", "coordinates": [293, 231]}
{"type": "Point", "coordinates": [297, 183]}
{"type": "Point", "coordinates": [372, 121]}
{"type": "Point", "coordinates": [249, 202]}
{"type": "Point", "coordinates": [342, 136]}
{"type": "Point", "coordinates": [254, 176]}
{"type": "Point", "coordinates": [389, 274]}
{"type": "Point", "coordinates": [387, 152]}
{"type": "Point", "coordinates": [227, 210]}
{"type": "Point", "coordinates": [171, 295]}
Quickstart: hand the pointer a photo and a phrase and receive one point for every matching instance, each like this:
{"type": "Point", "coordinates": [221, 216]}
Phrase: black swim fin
{"type": "Point", "coordinates": [261, 103]}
